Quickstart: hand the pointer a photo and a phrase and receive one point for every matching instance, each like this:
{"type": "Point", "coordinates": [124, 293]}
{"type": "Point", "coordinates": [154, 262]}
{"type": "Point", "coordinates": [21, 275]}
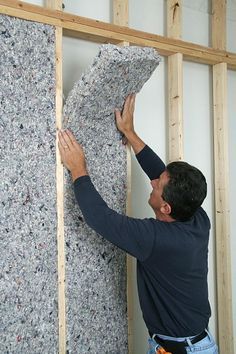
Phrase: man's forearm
{"type": "Point", "coordinates": [135, 141]}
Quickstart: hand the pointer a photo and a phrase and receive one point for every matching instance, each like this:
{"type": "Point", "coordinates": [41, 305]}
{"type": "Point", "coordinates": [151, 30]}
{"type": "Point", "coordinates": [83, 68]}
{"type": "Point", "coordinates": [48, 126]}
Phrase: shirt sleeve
{"type": "Point", "coordinates": [135, 236]}
{"type": "Point", "coordinates": [150, 162]}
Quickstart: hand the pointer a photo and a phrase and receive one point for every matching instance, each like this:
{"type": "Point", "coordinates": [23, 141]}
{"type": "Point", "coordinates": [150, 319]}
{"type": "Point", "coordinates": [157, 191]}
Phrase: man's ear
{"type": "Point", "coordinates": [166, 208]}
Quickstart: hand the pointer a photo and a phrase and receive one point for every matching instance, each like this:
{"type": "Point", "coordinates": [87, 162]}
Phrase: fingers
{"type": "Point", "coordinates": [118, 115]}
{"type": "Point", "coordinates": [71, 136]}
{"type": "Point", "coordinates": [67, 140]}
{"type": "Point", "coordinates": [68, 143]}
{"type": "Point", "coordinates": [132, 100]}
{"type": "Point", "coordinates": [64, 141]}
{"type": "Point", "coordinates": [129, 104]}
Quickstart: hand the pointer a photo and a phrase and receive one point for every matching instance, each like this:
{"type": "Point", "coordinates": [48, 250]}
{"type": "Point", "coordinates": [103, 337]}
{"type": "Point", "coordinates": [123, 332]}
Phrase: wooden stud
{"type": "Point", "coordinates": [219, 24]}
{"type": "Point", "coordinates": [175, 101]}
{"type": "Point", "coordinates": [98, 31]}
{"type": "Point", "coordinates": [174, 18]}
{"type": "Point", "coordinates": [121, 12]}
{"type": "Point", "coordinates": [130, 268]}
{"type": "Point", "coordinates": [221, 159]}
{"type": "Point", "coordinates": [121, 17]}
{"type": "Point", "coordinates": [60, 200]}
{"type": "Point", "coordinates": [175, 83]}
{"type": "Point", "coordinates": [53, 4]}
{"type": "Point", "coordinates": [57, 4]}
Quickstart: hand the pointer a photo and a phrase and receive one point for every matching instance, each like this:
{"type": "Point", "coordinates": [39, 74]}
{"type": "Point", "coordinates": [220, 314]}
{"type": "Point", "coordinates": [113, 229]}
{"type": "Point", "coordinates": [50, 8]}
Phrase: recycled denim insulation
{"type": "Point", "coordinates": [95, 270]}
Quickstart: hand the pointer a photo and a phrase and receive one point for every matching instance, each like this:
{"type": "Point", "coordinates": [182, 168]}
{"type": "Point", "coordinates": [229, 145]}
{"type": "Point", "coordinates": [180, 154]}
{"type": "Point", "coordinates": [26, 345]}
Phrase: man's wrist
{"type": "Point", "coordinates": [130, 134]}
{"type": "Point", "coordinates": [78, 172]}
{"type": "Point", "coordinates": [134, 140]}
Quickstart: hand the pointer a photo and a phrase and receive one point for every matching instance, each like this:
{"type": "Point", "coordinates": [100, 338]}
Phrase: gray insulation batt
{"type": "Point", "coordinates": [96, 269]}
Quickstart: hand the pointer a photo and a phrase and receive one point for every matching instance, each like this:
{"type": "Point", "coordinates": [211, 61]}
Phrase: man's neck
{"type": "Point", "coordinates": [164, 217]}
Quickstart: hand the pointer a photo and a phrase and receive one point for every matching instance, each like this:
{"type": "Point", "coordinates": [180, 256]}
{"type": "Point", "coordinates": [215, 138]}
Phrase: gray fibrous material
{"type": "Point", "coordinates": [95, 269]}
{"type": "Point", "coordinates": [28, 262]}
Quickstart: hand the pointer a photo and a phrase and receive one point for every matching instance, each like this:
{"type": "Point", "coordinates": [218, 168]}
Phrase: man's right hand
{"type": "Point", "coordinates": [125, 120]}
{"type": "Point", "coordinates": [125, 124]}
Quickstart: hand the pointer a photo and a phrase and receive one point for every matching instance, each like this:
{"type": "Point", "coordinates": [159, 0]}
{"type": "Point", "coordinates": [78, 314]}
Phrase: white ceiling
{"type": "Point", "coordinates": [204, 6]}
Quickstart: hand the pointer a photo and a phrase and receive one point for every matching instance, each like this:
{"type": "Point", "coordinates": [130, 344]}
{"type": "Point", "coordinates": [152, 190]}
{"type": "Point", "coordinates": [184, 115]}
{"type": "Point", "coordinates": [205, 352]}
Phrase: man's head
{"type": "Point", "coordinates": [178, 193]}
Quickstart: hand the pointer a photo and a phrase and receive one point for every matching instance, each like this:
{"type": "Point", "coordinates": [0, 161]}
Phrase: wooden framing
{"type": "Point", "coordinates": [174, 19]}
{"type": "Point", "coordinates": [129, 261]}
{"type": "Point", "coordinates": [177, 50]}
{"type": "Point", "coordinates": [175, 83]}
{"type": "Point", "coordinates": [219, 24]}
{"type": "Point", "coordinates": [175, 103]}
{"type": "Point", "coordinates": [223, 264]}
{"type": "Point", "coordinates": [57, 5]}
{"type": "Point", "coordinates": [121, 12]}
{"type": "Point", "coordinates": [221, 166]}
{"type": "Point", "coordinates": [98, 31]}
{"type": "Point", "coordinates": [121, 17]}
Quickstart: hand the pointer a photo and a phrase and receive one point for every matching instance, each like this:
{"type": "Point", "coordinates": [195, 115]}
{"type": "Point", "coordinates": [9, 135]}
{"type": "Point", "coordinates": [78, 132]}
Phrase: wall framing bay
{"type": "Point", "coordinates": [221, 174]}
{"type": "Point", "coordinates": [121, 18]}
{"type": "Point", "coordinates": [29, 296]}
{"type": "Point", "coordinates": [57, 5]}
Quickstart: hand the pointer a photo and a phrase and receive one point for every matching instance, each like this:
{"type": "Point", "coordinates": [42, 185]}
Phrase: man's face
{"type": "Point", "coordinates": [156, 200]}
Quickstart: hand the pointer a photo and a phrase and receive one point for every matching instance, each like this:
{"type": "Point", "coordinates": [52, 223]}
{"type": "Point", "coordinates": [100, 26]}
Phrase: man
{"type": "Point", "coordinates": [171, 250]}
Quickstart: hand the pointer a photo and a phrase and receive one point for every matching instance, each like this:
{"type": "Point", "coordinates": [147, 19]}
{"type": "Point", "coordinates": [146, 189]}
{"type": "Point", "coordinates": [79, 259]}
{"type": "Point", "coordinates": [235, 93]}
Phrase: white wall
{"type": "Point", "coordinates": [151, 113]}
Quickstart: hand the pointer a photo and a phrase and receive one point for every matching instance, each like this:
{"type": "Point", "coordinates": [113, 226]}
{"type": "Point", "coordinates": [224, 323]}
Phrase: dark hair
{"type": "Point", "coordinates": [185, 190]}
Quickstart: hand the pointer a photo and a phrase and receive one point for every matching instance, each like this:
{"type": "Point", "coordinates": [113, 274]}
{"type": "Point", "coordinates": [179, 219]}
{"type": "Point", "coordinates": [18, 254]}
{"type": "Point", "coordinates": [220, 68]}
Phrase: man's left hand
{"type": "Point", "coordinates": [72, 154]}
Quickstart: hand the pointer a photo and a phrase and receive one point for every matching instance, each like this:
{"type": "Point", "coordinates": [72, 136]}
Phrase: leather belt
{"type": "Point", "coordinates": [198, 337]}
{"type": "Point", "coordinates": [194, 340]}
{"type": "Point", "coordinates": [178, 347]}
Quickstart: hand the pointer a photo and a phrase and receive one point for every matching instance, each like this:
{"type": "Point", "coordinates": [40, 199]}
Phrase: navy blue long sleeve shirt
{"type": "Point", "coordinates": [171, 257]}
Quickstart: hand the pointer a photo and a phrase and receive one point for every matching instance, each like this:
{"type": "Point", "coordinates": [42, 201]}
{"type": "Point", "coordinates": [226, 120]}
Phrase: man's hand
{"type": "Point", "coordinates": [125, 124]}
{"type": "Point", "coordinates": [125, 120]}
{"type": "Point", "coordinates": [72, 155]}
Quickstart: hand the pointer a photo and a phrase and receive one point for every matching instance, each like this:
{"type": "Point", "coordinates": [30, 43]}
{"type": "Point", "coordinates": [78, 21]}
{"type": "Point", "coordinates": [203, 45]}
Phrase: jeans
{"type": "Point", "coordinates": [207, 346]}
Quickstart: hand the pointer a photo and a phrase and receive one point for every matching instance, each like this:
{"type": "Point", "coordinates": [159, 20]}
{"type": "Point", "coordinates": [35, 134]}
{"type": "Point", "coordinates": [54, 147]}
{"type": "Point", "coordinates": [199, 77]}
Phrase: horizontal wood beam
{"type": "Point", "coordinates": [102, 32]}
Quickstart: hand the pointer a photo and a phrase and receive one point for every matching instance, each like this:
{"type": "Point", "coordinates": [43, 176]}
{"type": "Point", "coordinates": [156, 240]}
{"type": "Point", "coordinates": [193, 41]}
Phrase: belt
{"type": "Point", "coordinates": [198, 337]}
{"type": "Point", "coordinates": [178, 347]}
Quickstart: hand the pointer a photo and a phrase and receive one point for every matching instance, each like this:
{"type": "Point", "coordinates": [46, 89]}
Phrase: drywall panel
{"type": "Point", "coordinates": [87, 8]}
{"type": "Point", "coordinates": [147, 16]}
{"type": "Point", "coordinates": [196, 26]}
{"type": "Point", "coordinates": [28, 281]}
{"type": "Point", "coordinates": [77, 56]}
{"type": "Point", "coordinates": [150, 124]}
{"type": "Point", "coordinates": [231, 29]}
{"type": "Point", "coordinates": [96, 270]}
